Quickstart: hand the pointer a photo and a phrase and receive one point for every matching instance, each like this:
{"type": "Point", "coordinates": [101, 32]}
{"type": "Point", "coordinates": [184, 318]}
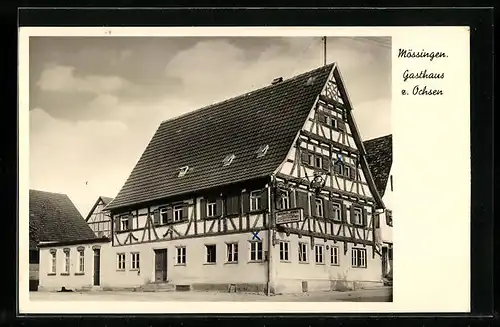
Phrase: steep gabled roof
{"type": "Point", "coordinates": [53, 217]}
{"type": "Point", "coordinates": [202, 139]}
{"type": "Point", "coordinates": [379, 157]}
{"type": "Point", "coordinates": [105, 201]}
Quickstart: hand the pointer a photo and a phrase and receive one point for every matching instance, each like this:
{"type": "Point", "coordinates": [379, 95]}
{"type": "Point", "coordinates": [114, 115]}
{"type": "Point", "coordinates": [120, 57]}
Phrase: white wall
{"type": "Point", "coordinates": [388, 198]}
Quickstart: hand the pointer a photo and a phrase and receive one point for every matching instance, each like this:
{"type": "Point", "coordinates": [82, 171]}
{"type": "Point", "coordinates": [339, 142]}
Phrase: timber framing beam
{"type": "Point", "coordinates": [335, 144]}
{"type": "Point", "coordinates": [325, 236]}
{"type": "Point", "coordinates": [329, 101]}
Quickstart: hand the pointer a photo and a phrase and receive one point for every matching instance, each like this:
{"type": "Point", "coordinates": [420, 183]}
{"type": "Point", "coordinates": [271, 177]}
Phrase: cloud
{"type": "Point", "coordinates": [63, 79]}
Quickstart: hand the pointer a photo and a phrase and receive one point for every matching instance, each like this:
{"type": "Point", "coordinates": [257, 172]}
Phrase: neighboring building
{"type": "Point", "coordinates": [53, 218]}
{"type": "Point", "coordinates": [98, 219]}
{"type": "Point", "coordinates": [268, 191]}
{"type": "Point", "coordinates": [379, 157]}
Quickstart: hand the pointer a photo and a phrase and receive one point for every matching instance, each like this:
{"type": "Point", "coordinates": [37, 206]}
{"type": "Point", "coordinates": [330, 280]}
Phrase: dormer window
{"type": "Point", "coordinates": [262, 150]}
{"type": "Point", "coordinates": [228, 159]}
{"type": "Point", "coordinates": [183, 171]}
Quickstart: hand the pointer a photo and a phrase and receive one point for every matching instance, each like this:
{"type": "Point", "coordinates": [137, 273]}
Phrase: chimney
{"type": "Point", "coordinates": [277, 80]}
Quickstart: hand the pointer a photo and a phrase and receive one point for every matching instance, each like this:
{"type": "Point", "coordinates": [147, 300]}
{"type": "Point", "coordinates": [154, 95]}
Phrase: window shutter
{"type": "Point", "coordinates": [351, 220]}
{"type": "Point", "coordinates": [352, 172]}
{"type": "Point", "coordinates": [365, 217]}
{"type": "Point", "coordinates": [341, 125]}
{"type": "Point", "coordinates": [203, 208]}
{"type": "Point", "coordinates": [327, 208]}
{"type": "Point", "coordinates": [376, 220]}
{"type": "Point", "coordinates": [130, 222]}
{"type": "Point", "coordinates": [232, 204]}
{"type": "Point", "coordinates": [245, 196]}
{"type": "Point", "coordinates": [293, 201]}
{"type": "Point", "coordinates": [336, 168]}
{"type": "Point", "coordinates": [263, 203]}
{"type": "Point", "coordinates": [218, 207]}
{"type": "Point", "coordinates": [302, 202]}
{"type": "Point", "coordinates": [169, 215]}
{"type": "Point", "coordinates": [185, 210]}
{"type": "Point", "coordinates": [305, 156]}
{"type": "Point", "coordinates": [117, 224]}
{"type": "Point", "coordinates": [325, 163]}
{"type": "Point", "coordinates": [156, 216]}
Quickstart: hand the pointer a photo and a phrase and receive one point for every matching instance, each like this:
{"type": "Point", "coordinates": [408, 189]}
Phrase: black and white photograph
{"type": "Point", "coordinates": [210, 168]}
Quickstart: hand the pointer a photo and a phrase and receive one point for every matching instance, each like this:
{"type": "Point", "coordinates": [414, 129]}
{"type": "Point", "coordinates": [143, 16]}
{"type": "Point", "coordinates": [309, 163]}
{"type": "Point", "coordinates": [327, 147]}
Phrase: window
{"type": "Point", "coordinates": [318, 162]}
{"type": "Point", "coordinates": [347, 171]}
{"type": "Point", "coordinates": [358, 258]}
{"type": "Point", "coordinates": [183, 171]}
{"type": "Point", "coordinates": [181, 255]}
{"type": "Point", "coordinates": [389, 253]}
{"type": "Point", "coordinates": [333, 123]}
{"type": "Point", "coordinates": [177, 213]}
{"type": "Point", "coordinates": [319, 253]}
{"type": "Point", "coordinates": [388, 217]}
{"type": "Point", "coordinates": [66, 261]}
{"type": "Point", "coordinates": [135, 260]}
{"type": "Point", "coordinates": [358, 216]}
{"type": "Point", "coordinates": [310, 159]}
{"type": "Point", "coordinates": [255, 200]}
{"type": "Point", "coordinates": [284, 251]}
{"type": "Point", "coordinates": [256, 251]}
{"type": "Point", "coordinates": [336, 213]}
{"type": "Point", "coordinates": [120, 259]}
{"type": "Point", "coordinates": [211, 208]}
{"type": "Point", "coordinates": [334, 255]}
{"type": "Point", "coordinates": [163, 215]}
{"type": "Point", "coordinates": [211, 253]}
{"type": "Point", "coordinates": [81, 261]}
{"type": "Point", "coordinates": [124, 222]}
{"type": "Point", "coordinates": [54, 262]}
{"type": "Point", "coordinates": [228, 159]}
{"type": "Point", "coordinates": [302, 252]}
{"type": "Point", "coordinates": [285, 200]}
{"type": "Point", "coordinates": [232, 252]}
{"type": "Point", "coordinates": [319, 207]}
{"type": "Point", "coordinates": [262, 150]}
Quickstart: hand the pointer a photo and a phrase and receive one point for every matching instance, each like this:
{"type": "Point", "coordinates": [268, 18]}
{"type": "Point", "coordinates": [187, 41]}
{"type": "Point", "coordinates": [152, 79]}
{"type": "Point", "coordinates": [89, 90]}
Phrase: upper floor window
{"type": "Point", "coordinates": [357, 216]}
{"type": "Point", "coordinates": [178, 213]}
{"type": "Point", "coordinates": [388, 216]}
{"type": "Point", "coordinates": [336, 211]}
{"type": "Point", "coordinates": [255, 200]}
{"type": "Point", "coordinates": [124, 222]}
{"type": "Point", "coordinates": [319, 207]}
{"type": "Point", "coordinates": [163, 215]}
{"type": "Point", "coordinates": [211, 208]}
{"type": "Point", "coordinates": [285, 200]}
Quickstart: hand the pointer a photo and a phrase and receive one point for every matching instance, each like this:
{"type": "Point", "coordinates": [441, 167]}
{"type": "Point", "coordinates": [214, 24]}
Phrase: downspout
{"type": "Point", "coordinates": [269, 237]}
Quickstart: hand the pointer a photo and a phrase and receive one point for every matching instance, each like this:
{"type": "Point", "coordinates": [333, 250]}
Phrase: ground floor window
{"type": "Point", "coordinates": [120, 261]}
{"type": "Point", "coordinates": [81, 261]}
{"type": "Point", "coordinates": [319, 254]}
{"type": "Point", "coordinates": [211, 253]}
{"type": "Point", "coordinates": [284, 251]}
{"type": "Point", "coordinates": [134, 260]}
{"type": "Point", "coordinates": [358, 258]}
{"type": "Point", "coordinates": [256, 251]}
{"type": "Point", "coordinates": [232, 252]}
{"type": "Point", "coordinates": [181, 255]}
{"type": "Point", "coordinates": [53, 267]}
{"type": "Point", "coordinates": [334, 255]}
{"type": "Point", "coordinates": [67, 261]}
{"type": "Point", "coordinates": [302, 252]}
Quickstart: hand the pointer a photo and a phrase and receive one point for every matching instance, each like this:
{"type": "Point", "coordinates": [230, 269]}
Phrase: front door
{"type": "Point", "coordinates": [384, 261]}
{"type": "Point", "coordinates": [97, 267]}
{"type": "Point", "coordinates": [161, 265]}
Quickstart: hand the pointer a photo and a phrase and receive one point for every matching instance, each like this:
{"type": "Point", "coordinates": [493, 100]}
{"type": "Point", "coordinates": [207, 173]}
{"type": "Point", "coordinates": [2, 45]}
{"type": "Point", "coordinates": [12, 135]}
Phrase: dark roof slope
{"type": "Point", "coordinates": [53, 217]}
{"type": "Point", "coordinates": [379, 157]}
{"type": "Point", "coordinates": [105, 200]}
{"type": "Point", "coordinates": [272, 116]}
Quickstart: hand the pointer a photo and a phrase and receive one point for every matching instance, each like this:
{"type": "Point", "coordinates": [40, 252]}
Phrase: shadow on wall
{"type": "Point", "coordinates": [340, 283]}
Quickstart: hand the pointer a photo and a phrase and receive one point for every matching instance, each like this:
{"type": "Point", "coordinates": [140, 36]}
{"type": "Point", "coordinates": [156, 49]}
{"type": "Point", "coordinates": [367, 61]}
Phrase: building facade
{"type": "Point", "coordinates": [270, 191]}
{"type": "Point", "coordinates": [98, 219]}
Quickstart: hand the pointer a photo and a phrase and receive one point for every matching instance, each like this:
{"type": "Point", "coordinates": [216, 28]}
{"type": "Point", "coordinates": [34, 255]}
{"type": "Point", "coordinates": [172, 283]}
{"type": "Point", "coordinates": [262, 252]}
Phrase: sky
{"type": "Point", "coordinates": [95, 102]}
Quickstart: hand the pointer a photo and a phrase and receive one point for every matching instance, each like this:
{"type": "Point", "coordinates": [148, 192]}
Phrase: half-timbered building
{"type": "Point", "coordinates": [98, 219]}
{"type": "Point", "coordinates": [268, 191]}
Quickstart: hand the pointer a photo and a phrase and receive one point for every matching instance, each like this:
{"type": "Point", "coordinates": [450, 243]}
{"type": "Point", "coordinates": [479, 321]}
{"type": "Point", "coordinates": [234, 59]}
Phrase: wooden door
{"type": "Point", "coordinates": [97, 267]}
{"type": "Point", "coordinates": [384, 261]}
{"type": "Point", "coordinates": [161, 265]}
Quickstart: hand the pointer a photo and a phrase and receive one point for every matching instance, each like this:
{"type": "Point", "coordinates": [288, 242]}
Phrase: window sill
{"type": "Point", "coordinates": [120, 270]}
{"type": "Point", "coordinates": [79, 274]}
{"type": "Point", "coordinates": [358, 267]}
{"type": "Point", "coordinates": [210, 263]}
{"type": "Point", "coordinates": [231, 262]}
{"type": "Point", "coordinates": [180, 265]}
{"type": "Point", "coordinates": [135, 269]}
{"type": "Point", "coordinates": [64, 274]}
{"type": "Point", "coordinates": [256, 261]}
{"type": "Point", "coordinates": [51, 274]}
{"type": "Point", "coordinates": [304, 262]}
{"type": "Point", "coordinates": [285, 261]}
{"type": "Point", "coordinates": [320, 263]}
{"type": "Point", "coordinates": [335, 264]}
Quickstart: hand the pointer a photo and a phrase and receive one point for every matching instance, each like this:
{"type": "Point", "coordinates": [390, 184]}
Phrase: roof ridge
{"type": "Point", "coordinates": [49, 192]}
{"type": "Point", "coordinates": [245, 94]}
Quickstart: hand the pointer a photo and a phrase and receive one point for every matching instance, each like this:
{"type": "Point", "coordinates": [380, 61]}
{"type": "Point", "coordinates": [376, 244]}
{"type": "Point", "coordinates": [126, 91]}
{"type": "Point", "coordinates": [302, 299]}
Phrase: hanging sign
{"type": "Point", "coordinates": [289, 216]}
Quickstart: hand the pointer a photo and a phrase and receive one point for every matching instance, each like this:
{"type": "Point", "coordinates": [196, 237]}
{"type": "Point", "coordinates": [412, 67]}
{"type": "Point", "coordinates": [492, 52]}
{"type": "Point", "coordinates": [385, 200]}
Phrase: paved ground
{"type": "Point", "coordinates": [369, 295]}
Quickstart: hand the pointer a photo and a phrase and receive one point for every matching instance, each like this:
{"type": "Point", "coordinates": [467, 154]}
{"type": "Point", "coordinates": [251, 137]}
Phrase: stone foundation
{"type": "Point", "coordinates": [228, 287]}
